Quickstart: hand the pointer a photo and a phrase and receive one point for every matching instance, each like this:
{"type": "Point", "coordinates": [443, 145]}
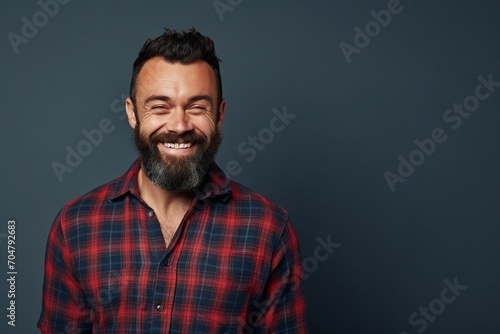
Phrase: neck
{"type": "Point", "coordinates": [161, 199]}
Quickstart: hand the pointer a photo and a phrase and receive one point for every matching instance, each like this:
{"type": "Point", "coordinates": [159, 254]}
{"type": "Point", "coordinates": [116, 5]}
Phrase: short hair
{"type": "Point", "coordinates": [185, 47]}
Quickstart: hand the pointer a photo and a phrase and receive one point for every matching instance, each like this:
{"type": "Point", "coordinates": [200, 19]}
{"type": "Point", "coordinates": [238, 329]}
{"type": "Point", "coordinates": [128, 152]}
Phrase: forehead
{"type": "Point", "coordinates": [176, 80]}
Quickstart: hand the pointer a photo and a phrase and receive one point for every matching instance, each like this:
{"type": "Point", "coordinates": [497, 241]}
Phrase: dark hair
{"type": "Point", "coordinates": [185, 47]}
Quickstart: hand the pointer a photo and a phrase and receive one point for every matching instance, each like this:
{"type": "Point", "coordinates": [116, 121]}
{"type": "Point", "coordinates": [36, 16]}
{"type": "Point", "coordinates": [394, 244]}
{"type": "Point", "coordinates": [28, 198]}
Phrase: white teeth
{"type": "Point", "coordinates": [177, 145]}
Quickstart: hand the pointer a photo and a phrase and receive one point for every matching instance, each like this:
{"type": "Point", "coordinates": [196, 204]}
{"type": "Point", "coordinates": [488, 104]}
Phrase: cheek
{"type": "Point", "coordinates": [206, 123]}
{"type": "Point", "coordinates": [149, 125]}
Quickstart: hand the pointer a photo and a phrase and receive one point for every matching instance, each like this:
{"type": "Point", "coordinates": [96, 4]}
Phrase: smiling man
{"type": "Point", "coordinates": [173, 245]}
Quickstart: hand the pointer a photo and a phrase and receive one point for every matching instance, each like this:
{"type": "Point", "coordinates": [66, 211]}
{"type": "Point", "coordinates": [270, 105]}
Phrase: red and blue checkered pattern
{"type": "Point", "coordinates": [233, 265]}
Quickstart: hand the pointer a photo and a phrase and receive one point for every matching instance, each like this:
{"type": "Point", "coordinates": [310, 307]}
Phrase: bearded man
{"type": "Point", "coordinates": [173, 245]}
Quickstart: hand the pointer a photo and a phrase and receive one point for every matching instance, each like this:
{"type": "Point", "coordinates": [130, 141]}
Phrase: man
{"type": "Point", "coordinates": [173, 246]}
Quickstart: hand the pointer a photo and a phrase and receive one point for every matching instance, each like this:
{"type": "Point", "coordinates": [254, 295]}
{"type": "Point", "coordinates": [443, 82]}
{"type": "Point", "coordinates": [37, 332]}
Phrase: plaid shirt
{"type": "Point", "coordinates": [233, 265]}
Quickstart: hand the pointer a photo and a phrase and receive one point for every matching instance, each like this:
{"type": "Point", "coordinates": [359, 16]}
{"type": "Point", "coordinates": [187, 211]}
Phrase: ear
{"type": "Point", "coordinates": [222, 112]}
{"type": "Point", "coordinates": [129, 107]}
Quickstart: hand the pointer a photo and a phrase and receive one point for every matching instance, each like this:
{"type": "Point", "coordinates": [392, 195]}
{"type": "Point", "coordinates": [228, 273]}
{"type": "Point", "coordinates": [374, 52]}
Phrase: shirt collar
{"type": "Point", "coordinates": [215, 185]}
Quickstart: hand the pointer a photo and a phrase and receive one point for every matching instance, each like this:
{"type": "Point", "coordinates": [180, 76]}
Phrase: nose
{"type": "Point", "coordinates": [179, 122]}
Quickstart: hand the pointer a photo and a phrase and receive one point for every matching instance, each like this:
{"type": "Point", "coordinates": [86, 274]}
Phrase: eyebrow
{"type": "Point", "coordinates": [165, 98]}
{"type": "Point", "coordinates": [199, 98]}
{"type": "Point", "coordinates": [157, 97]}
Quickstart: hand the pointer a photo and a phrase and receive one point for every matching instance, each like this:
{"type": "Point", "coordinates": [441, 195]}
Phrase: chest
{"type": "Point", "coordinates": [169, 224]}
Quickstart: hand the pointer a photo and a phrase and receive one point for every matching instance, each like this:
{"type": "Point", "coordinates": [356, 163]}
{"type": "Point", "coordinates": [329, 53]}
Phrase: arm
{"type": "Point", "coordinates": [64, 306]}
{"type": "Point", "coordinates": [284, 301]}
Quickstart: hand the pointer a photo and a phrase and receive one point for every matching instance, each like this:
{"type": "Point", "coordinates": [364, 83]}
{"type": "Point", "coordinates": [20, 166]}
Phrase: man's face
{"type": "Point", "coordinates": [176, 120]}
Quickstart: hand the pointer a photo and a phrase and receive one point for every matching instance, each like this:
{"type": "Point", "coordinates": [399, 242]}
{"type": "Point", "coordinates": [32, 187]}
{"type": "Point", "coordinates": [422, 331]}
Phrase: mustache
{"type": "Point", "coordinates": [187, 137]}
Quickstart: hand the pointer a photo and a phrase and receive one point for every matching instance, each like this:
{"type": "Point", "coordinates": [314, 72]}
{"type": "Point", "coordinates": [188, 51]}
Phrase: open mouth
{"type": "Point", "coordinates": [178, 145]}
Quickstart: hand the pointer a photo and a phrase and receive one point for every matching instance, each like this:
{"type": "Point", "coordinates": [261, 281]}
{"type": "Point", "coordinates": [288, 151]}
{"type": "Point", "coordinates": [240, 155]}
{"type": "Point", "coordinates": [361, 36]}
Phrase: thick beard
{"type": "Point", "coordinates": [177, 173]}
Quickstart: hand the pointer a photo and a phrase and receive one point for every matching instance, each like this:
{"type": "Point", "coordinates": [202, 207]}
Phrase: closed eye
{"type": "Point", "coordinates": [159, 109]}
{"type": "Point", "coordinates": [198, 109]}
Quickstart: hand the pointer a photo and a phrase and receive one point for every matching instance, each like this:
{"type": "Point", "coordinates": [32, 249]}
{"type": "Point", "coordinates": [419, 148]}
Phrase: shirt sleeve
{"type": "Point", "coordinates": [284, 299]}
{"type": "Point", "coordinates": [64, 307]}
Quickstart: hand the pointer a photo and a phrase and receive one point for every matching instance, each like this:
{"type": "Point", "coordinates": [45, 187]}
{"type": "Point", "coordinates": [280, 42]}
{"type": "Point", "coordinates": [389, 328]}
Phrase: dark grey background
{"type": "Point", "coordinates": [326, 167]}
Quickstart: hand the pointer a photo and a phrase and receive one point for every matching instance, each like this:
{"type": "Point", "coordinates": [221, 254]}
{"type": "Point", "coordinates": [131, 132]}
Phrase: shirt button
{"type": "Point", "coordinates": [166, 263]}
{"type": "Point", "coordinates": [159, 308]}
{"type": "Point", "coordinates": [151, 213]}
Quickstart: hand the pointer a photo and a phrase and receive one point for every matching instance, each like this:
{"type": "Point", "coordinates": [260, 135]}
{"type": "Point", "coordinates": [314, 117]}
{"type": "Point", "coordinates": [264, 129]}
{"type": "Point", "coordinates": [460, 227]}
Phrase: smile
{"type": "Point", "coordinates": [177, 145]}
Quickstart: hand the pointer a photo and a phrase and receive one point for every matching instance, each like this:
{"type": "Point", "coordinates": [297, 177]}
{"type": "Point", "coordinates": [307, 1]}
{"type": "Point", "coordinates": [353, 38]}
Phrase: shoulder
{"type": "Point", "coordinates": [243, 194]}
{"type": "Point", "coordinates": [91, 200]}
{"type": "Point", "coordinates": [100, 199]}
{"type": "Point", "coordinates": [256, 207]}
{"type": "Point", "coordinates": [81, 213]}
{"type": "Point", "coordinates": [260, 220]}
